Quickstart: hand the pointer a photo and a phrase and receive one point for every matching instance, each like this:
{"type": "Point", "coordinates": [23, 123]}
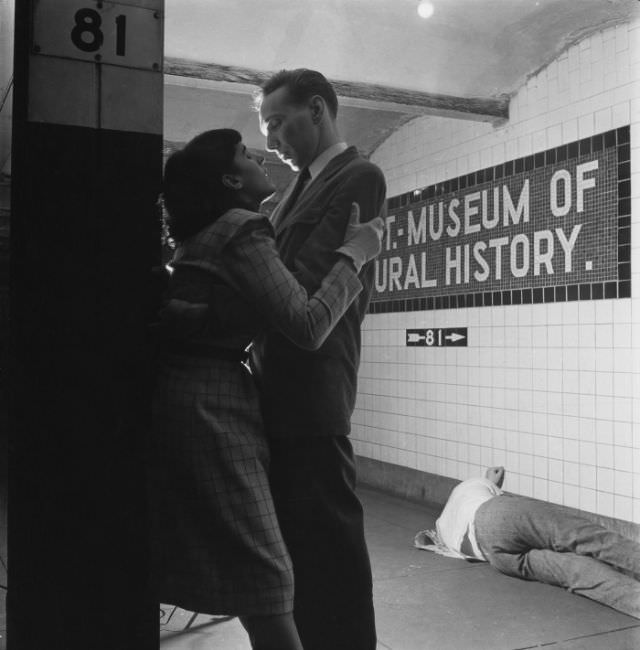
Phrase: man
{"type": "Point", "coordinates": [536, 540]}
{"type": "Point", "coordinates": [308, 397]}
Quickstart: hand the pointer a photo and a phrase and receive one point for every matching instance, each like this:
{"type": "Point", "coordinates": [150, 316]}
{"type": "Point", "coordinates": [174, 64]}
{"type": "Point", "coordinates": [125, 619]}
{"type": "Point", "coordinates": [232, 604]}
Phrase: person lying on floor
{"type": "Point", "coordinates": [536, 540]}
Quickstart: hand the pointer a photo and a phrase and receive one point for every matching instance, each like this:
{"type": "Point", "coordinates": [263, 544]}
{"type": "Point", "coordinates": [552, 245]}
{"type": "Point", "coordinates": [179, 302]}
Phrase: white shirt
{"type": "Point", "coordinates": [324, 158]}
{"type": "Point", "coordinates": [460, 510]}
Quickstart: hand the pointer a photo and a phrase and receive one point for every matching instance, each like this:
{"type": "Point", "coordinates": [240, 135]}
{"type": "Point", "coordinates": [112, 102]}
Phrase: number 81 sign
{"type": "Point", "coordinates": [103, 32]}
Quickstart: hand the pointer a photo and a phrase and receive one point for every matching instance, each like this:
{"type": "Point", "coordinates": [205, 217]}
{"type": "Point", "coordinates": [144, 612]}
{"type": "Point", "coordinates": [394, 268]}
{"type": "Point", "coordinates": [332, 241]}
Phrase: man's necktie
{"type": "Point", "coordinates": [301, 181]}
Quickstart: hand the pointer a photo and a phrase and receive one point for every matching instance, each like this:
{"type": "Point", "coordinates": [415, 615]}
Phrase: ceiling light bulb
{"type": "Point", "coordinates": [425, 9]}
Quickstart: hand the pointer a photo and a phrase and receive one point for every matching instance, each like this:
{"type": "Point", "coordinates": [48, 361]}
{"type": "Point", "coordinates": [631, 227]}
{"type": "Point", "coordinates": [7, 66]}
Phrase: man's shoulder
{"type": "Point", "coordinates": [475, 487]}
{"type": "Point", "coordinates": [353, 157]}
{"type": "Point", "coordinates": [351, 162]}
{"type": "Point", "coordinates": [366, 166]}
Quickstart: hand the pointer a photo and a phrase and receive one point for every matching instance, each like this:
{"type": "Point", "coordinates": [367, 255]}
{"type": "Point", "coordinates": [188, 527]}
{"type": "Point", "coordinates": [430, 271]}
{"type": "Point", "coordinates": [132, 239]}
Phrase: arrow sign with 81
{"type": "Point", "coordinates": [437, 337]}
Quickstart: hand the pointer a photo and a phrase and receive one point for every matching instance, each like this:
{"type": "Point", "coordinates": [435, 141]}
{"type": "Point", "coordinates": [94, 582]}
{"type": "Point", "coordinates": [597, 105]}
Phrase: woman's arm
{"type": "Point", "coordinates": [255, 268]}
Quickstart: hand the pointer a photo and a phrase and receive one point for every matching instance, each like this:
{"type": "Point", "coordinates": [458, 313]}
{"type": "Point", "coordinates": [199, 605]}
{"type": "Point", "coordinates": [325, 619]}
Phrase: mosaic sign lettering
{"type": "Point", "coordinates": [550, 227]}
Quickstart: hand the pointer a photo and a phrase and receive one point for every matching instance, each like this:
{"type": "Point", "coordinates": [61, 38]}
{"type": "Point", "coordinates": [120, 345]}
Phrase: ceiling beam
{"type": "Point", "coordinates": [355, 94]}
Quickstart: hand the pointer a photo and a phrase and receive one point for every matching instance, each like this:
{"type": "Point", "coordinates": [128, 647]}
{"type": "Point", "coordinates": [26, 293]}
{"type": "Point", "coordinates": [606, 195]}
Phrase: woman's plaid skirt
{"type": "Point", "coordinates": [216, 544]}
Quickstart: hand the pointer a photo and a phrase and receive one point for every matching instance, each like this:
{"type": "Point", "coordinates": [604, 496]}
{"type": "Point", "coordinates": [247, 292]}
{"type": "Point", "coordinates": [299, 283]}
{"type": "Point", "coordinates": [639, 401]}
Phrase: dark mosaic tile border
{"type": "Point", "coordinates": [621, 139]}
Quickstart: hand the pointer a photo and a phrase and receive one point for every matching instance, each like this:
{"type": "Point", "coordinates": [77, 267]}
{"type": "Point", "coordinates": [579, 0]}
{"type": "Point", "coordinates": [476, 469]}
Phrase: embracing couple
{"type": "Point", "coordinates": [254, 509]}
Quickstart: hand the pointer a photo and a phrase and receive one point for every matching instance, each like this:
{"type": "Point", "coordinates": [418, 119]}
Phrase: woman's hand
{"type": "Point", "coordinates": [362, 241]}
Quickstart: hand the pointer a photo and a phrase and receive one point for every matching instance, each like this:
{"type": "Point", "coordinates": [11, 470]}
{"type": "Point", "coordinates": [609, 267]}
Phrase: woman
{"type": "Point", "coordinates": [216, 538]}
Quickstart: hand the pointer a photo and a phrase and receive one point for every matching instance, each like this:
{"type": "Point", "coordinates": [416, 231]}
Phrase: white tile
{"type": "Point", "coordinates": [622, 334]}
{"type": "Point", "coordinates": [623, 483]}
{"type": "Point", "coordinates": [587, 336]}
{"type": "Point", "coordinates": [555, 492]}
{"type": "Point", "coordinates": [622, 37]}
{"type": "Point", "coordinates": [554, 424]}
{"type": "Point", "coordinates": [620, 115]}
{"type": "Point", "coordinates": [605, 457]}
{"type": "Point", "coordinates": [525, 486]}
{"type": "Point", "coordinates": [604, 358]}
{"type": "Point", "coordinates": [587, 431]}
{"type": "Point", "coordinates": [571, 473]}
{"type": "Point", "coordinates": [623, 408]}
{"type": "Point", "coordinates": [588, 500]}
{"type": "Point", "coordinates": [587, 382]}
{"type": "Point", "coordinates": [571, 496]}
{"type": "Point", "coordinates": [604, 409]}
{"type": "Point", "coordinates": [554, 360]}
{"type": "Point", "coordinates": [622, 311]}
{"type": "Point", "coordinates": [540, 489]}
{"type": "Point", "coordinates": [588, 477]}
{"type": "Point", "coordinates": [540, 465]}
{"type": "Point", "coordinates": [605, 479]}
{"type": "Point", "coordinates": [603, 311]}
{"type": "Point", "coordinates": [571, 380]}
{"type": "Point", "coordinates": [554, 403]}
{"type": "Point", "coordinates": [586, 125]}
{"type": "Point", "coordinates": [605, 504]}
{"type": "Point", "coordinates": [571, 427]}
{"type": "Point", "coordinates": [604, 431]}
{"type": "Point", "coordinates": [623, 435]}
{"type": "Point", "coordinates": [604, 383]}
{"type": "Point", "coordinates": [622, 459]}
{"type": "Point", "coordinates": [623, 507]}
{"type": "Point", "coordinates": [623, 360]}
{"type": "Point", "coordinates": [604, 335]}
{"type": "Point", "coordinates": [603, 120]}
{"type": "Point", "coordinates": [555, 471]}
{"type": "Point", "coordinates": [569, 131]}
{"type": "Point", "coordinates": [554, 381]}
{"type": "Point", "coordinates": [539, 379]}
{"type": "Point", "coordinates": [623, 384]}
{"type": "Point", "coordinates": [587, 454]}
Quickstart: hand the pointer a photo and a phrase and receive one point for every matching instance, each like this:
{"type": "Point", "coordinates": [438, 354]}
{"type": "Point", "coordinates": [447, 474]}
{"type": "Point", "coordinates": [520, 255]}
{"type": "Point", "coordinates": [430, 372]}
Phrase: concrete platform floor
{"type": "Point", "coordinates": [426, 601]}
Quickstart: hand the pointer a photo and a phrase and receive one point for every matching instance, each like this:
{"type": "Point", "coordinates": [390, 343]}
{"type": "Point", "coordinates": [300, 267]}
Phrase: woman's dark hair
{"type": "Point", "coordinates": [193, 192]}
{"type": "Point", "coordinates": [302, 84]}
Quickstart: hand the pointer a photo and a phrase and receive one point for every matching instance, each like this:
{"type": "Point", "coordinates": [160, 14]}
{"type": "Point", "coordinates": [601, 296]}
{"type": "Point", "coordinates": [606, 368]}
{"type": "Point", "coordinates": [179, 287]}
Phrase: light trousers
{"type": "Point", "coordinates": [540, 541]}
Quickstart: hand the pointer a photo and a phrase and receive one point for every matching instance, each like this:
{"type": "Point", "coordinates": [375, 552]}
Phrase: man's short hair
{"type": "Point", "coordinates": [302, 84]}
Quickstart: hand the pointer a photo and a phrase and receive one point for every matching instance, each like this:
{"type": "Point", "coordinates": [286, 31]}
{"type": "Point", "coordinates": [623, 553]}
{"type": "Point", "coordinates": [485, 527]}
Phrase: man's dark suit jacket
{"type": "Point", "coordinates": [313, 393]}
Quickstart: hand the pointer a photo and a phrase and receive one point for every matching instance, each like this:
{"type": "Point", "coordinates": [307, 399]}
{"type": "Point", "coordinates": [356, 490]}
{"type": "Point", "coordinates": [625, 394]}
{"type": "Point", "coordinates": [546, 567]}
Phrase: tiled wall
{"type": "Point", "coordinates": [550, 390]}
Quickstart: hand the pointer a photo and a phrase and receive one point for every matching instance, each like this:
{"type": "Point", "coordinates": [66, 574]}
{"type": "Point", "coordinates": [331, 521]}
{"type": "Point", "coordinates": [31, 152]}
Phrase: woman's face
{"type": "Point", "coordinates": [255, 184]}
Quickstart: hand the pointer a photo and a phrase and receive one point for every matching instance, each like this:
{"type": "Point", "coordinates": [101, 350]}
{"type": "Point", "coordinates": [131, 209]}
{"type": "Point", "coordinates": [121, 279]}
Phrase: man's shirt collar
{"type": "Point", "coordinates": [325, 157]}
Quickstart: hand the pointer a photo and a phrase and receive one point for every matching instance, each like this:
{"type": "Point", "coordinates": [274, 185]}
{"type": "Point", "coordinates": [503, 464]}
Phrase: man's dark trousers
{"type": "Point", "coordinates": [313, 484]}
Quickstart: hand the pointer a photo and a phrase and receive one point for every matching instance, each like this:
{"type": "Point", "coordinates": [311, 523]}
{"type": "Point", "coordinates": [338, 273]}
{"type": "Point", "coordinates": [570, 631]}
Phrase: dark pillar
{"type": "Point", "coordinates": [87, 156]}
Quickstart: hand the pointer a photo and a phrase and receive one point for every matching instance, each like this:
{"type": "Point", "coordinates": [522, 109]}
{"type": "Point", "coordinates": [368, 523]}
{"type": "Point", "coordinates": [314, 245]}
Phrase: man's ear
{"type": "Point", "coordinates": [317, 107]}
{"type": "Point", "coordinates": [231, 181]}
